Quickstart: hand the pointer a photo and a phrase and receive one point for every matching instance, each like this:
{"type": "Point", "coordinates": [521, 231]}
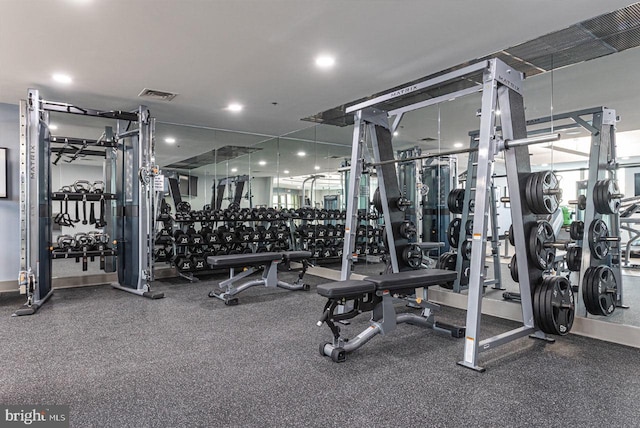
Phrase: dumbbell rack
{"type": "Point", "coordinates": [318, 232]}
{"type": "Point", "coordinates": [129, 172]}
{"type": "Point", "coordinates": [228, 234]}
{"type": "Point", "coordinates": [602, 166]}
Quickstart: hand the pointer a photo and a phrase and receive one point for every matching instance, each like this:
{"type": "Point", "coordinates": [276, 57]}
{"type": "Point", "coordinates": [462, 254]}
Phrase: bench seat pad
{"type": "Point", "coordinates": [412, 279]}
{"type": "Point", "coordinates": [296, 255]}
{"type": "Point", "coordinates": [242, 260]}
{"type": "Point", "coordinates": [350, 287]}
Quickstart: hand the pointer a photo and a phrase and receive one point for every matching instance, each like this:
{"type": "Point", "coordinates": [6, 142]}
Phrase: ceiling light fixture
{"type": "Point", "coordinates": [395, 133]}
{"type": "Point", "coordinates": [457, 145]}
{"type": "Point", "coordinates": [576, 132]}
{"type": "Point", "coordinates": [53, 127]}
{"type": "Point", "coordinates": [286, 171]}
{"type": "Point", "coordinates": [317, 168]}
{"type": "Point", "coordinates": [262, 163]}
{"type": "Point", "coordinates": [325, 61]}
{"type": "Point", "coordinates": [169, 140]}
{"type": "Point", "coordinates": [234, 169]}
{"type": "Point", "coordinates": [497, 112]}
{"type": "Point", "coordinates": [301, 154]}
{"type": "Point", "coordinates": [62, 78]}
{"type": "Point", "coordinates": [235, 107]}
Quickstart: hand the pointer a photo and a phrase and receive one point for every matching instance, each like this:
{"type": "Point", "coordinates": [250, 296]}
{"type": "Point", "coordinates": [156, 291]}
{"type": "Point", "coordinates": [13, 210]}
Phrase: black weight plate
{"type": "Point", "coordinates": [607, 290]}
{"type": "Point", "coordinates": [598, 230]}
{"type": "Point", "coordinates": [465, 249]}
{"type": "Point", "coordinates": [549, 183]}
{"type": "Point", "coordinates": [537, 311]}
{"type": "Point", "coordinates": [468, 227]}
{"type": "Point", "coordinates": [453, 232]}
{"type": "Point", "coordinates": [540, 235]}
{"type": "Point", "coordinates": [529, 192]}
{"type": "Point", "coordinates": [539, 196]}
{"type": "Point", "coordinates": [512, 238]}
{"type": "Point", "coordinates": [597, 197]}
{"type": "Point", "coordinates": [587, 291]}
{"type": "Point", "coordinates": [513, 268]}
{"type": "Point", "coordinates": [574, 258]}
{"type": "Point", "coordinates": [547, 308]}
{"type": "Point", "coordinates": [460, 200]}
{"type": "Point", "coordinates": [562, 305]}
{"type": "Point", "coordinates": [576, 230]}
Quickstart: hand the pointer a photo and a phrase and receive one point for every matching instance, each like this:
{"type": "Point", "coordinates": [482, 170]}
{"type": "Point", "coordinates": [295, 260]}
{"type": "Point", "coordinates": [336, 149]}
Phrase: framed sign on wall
{"type": "Point", "coordinates": [3, 172]}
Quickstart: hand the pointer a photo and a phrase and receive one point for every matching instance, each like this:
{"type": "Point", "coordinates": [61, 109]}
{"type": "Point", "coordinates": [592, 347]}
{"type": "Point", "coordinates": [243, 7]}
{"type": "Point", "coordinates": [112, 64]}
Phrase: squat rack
{"type": "Point", "coordinates": [129, 171]}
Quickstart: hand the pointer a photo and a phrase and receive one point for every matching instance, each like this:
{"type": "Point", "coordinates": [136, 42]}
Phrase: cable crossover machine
{"type": "Point", "coordinates": [125, 239]}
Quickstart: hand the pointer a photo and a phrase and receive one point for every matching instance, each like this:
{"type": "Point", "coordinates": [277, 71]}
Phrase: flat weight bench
{"type": "Point", "coordinates": [268, 262]}
{"type": "Point", "coordinates": [378, 294]}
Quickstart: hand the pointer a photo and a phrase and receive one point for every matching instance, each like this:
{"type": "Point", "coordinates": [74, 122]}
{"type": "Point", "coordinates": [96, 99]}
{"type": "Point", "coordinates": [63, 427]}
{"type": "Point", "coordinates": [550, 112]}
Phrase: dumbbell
{"type": "Point", "coordinates": [181, 237]}
{"type": "Point", "coordinates": [183, 263]}
{"type": "Point", "coordinates": [160, 254]}
{"type": "Point", "coordinates": [199, 263]}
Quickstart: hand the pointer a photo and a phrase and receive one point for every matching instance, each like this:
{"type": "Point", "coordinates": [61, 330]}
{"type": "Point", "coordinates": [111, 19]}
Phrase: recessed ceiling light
{"type": "Point", "coordinates": [316, 167]}
{"type": "Point", "coordinates": [395, 134]}
{"type": "Point", "coordinates": [544, 164]}
{"type": "Point", "coordinates": [235, 107]}
{"type": "Point", "coordinates": [62, 78]}
{"type": "Point", "coordinates": [325, 61]}
{"type": "Point", "coordinates": [457, 145]}
{"type": "Point", "coordinates": [497, 112]}
{"type": "Point", "coordinates": [53, 127]}
{"type": "Point", "coordinates": [286, 171]}
{"type": "Point", "coordinates": [169, 140]}
{"type": "Point", "coordinates": [625, 158]}
{"type": "Point", "coordinates": [234, 169]}
{"type": "Point", "coordinates": [262, 163]}
{"type": "Point", "coordinates": [302, 154]}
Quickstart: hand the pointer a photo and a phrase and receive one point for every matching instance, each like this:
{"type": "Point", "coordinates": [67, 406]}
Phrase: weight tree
{"type": "Point", "coordinates": [129, 172]}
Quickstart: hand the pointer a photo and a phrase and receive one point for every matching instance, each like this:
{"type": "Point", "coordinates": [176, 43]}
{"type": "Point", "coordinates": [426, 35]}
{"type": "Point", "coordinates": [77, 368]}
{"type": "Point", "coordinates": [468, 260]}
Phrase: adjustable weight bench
{"type": "Point", "coordinates": [268, 262]}
{"type": "Point", "coordinates": [378, 294]}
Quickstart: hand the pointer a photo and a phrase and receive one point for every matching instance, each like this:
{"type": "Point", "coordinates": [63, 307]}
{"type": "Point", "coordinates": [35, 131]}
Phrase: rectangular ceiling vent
{"type": "Point", "coordinates": [427, 139]}
{"type": "Point", "coordinates": [157, 95]}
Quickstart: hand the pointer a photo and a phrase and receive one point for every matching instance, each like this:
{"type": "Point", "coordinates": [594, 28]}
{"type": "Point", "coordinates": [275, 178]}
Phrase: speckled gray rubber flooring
{"type": "Point", "coordinates": [190, 361]}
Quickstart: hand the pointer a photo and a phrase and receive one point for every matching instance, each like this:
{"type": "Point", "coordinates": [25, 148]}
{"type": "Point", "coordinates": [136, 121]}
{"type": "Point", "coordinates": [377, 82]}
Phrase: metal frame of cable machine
{"type": "Point", "coordinates": [129, 170]}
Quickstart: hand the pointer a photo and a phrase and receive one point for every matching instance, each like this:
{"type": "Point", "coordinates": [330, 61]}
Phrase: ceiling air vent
{"type": "Point", "coordinates": [427, 139]}
{"type": "Point", "coordinates": [157, 95]}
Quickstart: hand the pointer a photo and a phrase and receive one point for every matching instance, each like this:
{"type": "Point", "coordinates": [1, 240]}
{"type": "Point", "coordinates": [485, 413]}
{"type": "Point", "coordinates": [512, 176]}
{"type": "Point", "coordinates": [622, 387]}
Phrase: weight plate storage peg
{"type": "Point", "coordinates": [606, 196]}
{"type": "Point", "coordinates": [412, 256]}
{"type": "Point", "coordinates": [598, 239]}
{"type": "Point", "coordinates": [455, 201]}
{"type": "Point", "coordinates": [554, 305]}
{"type": "Point", "coordinates": [453, 232]}
{"type": "Point", "coordinates": [543, 192]}
{"type": "Point", "coordinates": [407, 229]}
{"type": "Point", "coordinates": [540, 248]}
{"type": "Point", "coordinates": [599, 290]}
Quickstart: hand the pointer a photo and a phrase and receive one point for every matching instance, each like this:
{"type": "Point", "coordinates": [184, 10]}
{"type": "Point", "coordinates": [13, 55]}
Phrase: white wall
{"type": "Point", "coordinates": [9, 208]}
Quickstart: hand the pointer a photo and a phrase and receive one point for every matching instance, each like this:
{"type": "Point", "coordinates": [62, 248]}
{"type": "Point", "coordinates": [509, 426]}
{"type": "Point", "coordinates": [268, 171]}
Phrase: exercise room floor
{"type": "Point", "coordinates": [187, 360]}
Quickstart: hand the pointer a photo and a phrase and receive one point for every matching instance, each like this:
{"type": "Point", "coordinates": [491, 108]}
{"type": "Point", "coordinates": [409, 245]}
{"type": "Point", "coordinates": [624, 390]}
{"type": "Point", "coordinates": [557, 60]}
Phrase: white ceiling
{"type": "Point", "coordinates": [261, 51]}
